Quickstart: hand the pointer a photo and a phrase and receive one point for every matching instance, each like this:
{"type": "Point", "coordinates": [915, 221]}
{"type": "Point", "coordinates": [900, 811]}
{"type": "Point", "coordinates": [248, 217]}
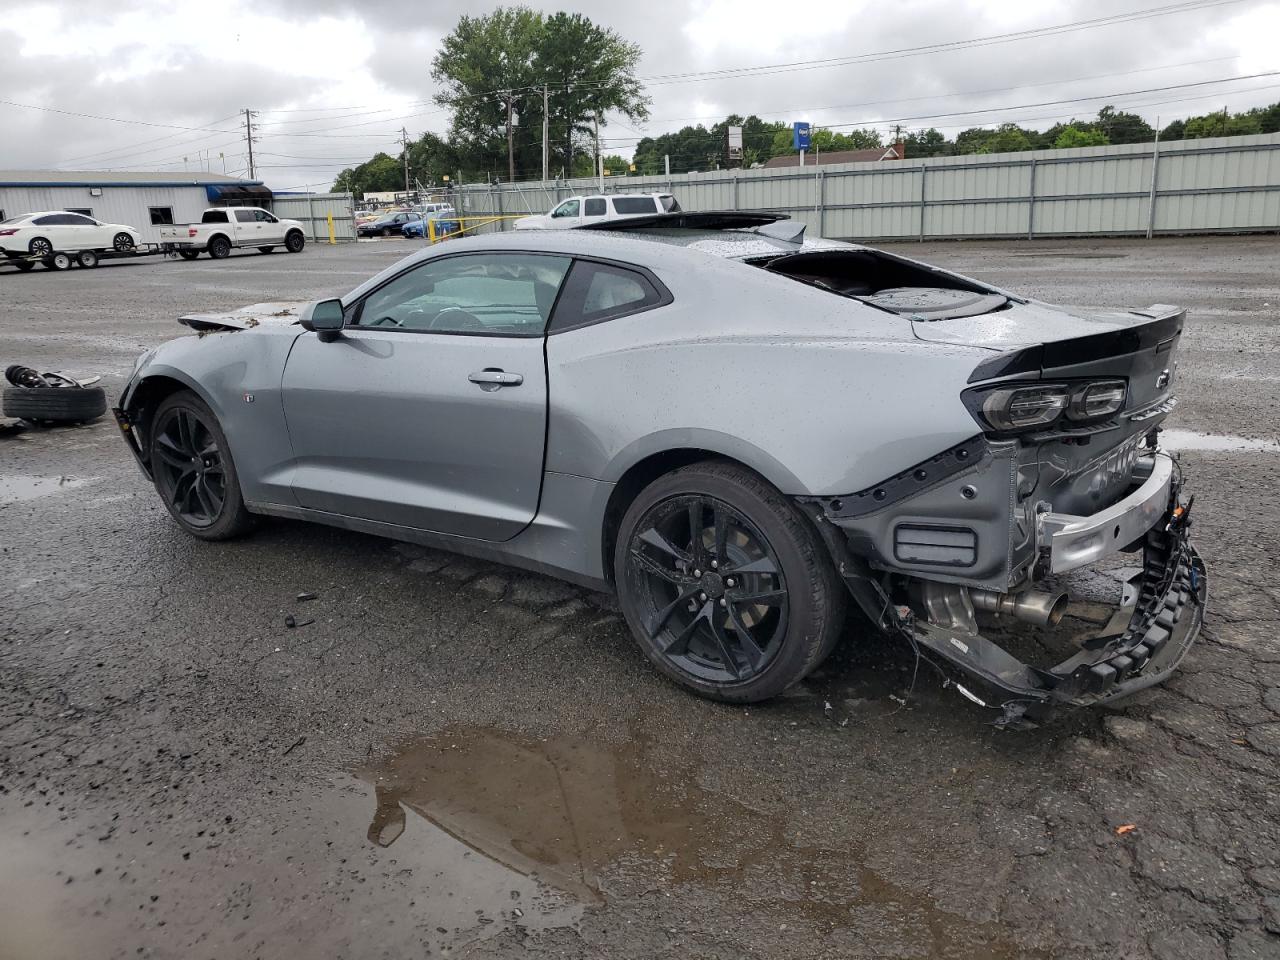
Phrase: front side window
{"type": "Point", "coordinates": [594, 207]}
{"type": "Point", "coordinates": [245, 216]}
{"type": "Point", "coordinates": [634, 205]}
{"type": "Point", "coordinates": [567, 209]}
{"type": "Point", "coordinates": [263, 217]}
{"type": "Point", "coordinates": [602, 291]}
{"type": "Point", "coordinates": [505, 294]}
{"type": "Point", "coordinates": [161, 215]}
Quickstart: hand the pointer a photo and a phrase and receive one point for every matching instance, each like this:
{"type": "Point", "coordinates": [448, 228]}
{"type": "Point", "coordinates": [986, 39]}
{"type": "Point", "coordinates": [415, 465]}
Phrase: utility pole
{"type": "Point", "coordinates": [248, 136]}
{"type": "Point", "coordinates": [666, 164]}
{"type": "Point", "coordinates": [511, 147]}
{"type": "Point", "coordinates": [404, 143]}
{"type": "Point", "coordinates": [546, 132]}
{"type": "Point", "coordinates": [599, 157]}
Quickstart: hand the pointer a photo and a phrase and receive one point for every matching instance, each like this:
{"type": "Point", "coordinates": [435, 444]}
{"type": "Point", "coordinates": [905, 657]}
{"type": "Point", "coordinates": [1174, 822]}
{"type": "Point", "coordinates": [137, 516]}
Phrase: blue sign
{"type": "Point", "coordinates": [800, 136]}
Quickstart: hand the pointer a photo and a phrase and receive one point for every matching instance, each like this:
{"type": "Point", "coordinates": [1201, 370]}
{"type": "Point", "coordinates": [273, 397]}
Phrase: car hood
{"type": "Point", "coordinates": [275, 313]}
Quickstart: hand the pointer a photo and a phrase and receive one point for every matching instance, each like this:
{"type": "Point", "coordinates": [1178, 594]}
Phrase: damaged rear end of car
{"type": "Point", "coordinates": [1064, 471]}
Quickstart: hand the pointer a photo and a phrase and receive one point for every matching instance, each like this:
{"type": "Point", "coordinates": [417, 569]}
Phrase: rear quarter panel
{"type": "Point", "coordinates": [819, 394]}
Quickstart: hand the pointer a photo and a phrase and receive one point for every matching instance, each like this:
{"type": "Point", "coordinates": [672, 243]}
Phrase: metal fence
{"type": "Point", "coordinates": [313, 211]}
{"type": "Point", "coordinates": [1229, 184]}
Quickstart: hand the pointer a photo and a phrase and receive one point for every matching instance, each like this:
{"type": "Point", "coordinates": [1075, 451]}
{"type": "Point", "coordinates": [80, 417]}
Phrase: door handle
{"type": "Point", "coordinates": [492, 379]}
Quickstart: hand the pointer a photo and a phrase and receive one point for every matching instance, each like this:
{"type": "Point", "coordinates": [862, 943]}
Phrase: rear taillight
{"type": "Point", "coordinates": [7, 233]}
{"type": "Point", "coordinates": [1097, 400]}
{"type": "Point", "coordinates": [1015, 407]}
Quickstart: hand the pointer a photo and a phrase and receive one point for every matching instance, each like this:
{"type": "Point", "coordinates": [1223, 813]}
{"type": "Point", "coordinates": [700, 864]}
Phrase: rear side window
{"type": "Point", "coordinates": [596, 292]}
{"type": "Point", "coordinates": [214, 216]}
{"type": "Point", "coordinates": [634, 205]}
{"type": "Point", "coordinates": [594, 207]}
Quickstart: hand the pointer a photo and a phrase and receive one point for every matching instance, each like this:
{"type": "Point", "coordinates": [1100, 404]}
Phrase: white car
{"type": "Point", "coordinates": [579, 210]}
{"type": "Point", "coordinates": [43, 235]}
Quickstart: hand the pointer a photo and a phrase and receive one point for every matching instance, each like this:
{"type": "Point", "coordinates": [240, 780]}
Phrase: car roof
{"type": "Point", "coordinates": [615, 196]}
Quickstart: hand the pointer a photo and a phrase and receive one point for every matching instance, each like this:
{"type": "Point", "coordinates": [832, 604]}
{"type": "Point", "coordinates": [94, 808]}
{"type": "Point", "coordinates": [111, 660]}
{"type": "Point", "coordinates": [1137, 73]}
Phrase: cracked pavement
{"type": "Point", "coordinates": [453, 758]}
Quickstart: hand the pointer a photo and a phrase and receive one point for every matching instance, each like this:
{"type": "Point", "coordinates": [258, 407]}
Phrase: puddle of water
{"type": "Point", "coordinates": [15, 489]}
{"type": "Point", "coordinates": [1179, 440]}
{"type": "Point", "coordinates": [579, 822]}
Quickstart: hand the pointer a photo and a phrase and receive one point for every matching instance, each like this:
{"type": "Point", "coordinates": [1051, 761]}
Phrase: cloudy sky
{"type": "Point", "coordinates": [145, 84]}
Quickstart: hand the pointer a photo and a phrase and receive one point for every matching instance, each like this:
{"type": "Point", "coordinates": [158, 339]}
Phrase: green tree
{"type": "Point", "coordinates": [501, 61]}
{"type": "Point", "coordinates": [1073, 136]}
{"type": "Point", "coordinates": [927, 143]}
{"type": "Point", "coordinates": [379, 173]}
{"type": "Point", "coordinates": [1222, 124]}
{"type": "Point", "coordinates": [1121, 127]}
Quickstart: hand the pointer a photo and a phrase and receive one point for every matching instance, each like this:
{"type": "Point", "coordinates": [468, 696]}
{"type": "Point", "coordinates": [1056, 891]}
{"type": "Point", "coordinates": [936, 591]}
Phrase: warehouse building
{"type": "Point", "coordinates": [143, 200]}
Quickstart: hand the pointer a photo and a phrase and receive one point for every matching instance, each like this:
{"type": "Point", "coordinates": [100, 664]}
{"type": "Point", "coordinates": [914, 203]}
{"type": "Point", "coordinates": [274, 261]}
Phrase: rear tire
{"type": "Point", "coordinates": [193, 471]}
{"type": "Point", "coordinates": [295, 241]}
{"type": "Point", "coordinates": [40, 247]}
{"type": "Point", "coordinates": [24, 265]}
{"type": "Point", "coordinates": [188, 254]}
{"type": "Point", "coordinates": [767, 605]}
{"type": "Point", "coordinates": [55, 404]}
{"type": "Point", "coordinates": [219, 248]}
{"type": "Point", "coordinates": [59, 261]}
{"type": "Point", "coordinates": [87, 259]}
{"type": "Point", "coordinates": [266, 249]}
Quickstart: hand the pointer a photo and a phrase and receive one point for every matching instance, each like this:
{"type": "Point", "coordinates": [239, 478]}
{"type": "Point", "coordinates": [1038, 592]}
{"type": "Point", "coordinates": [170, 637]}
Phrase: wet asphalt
{"type": "Point", "coordinates": [446, 758]}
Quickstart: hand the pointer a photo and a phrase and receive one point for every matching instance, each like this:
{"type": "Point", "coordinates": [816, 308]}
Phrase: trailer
{"type": "Point", "coordinates": [66, 259]}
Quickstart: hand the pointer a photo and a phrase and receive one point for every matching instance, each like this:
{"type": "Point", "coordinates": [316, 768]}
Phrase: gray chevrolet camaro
{"type": "Point", "coordinates": [737, 430]}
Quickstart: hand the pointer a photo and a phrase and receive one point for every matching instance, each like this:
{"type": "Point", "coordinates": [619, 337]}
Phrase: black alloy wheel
{"type": "Point", "coordinates": [189, 468]}
{"type": "Point", "coordinates": [714, 595]}
{"type": "Point", "coordinates": [219, 248]}
{"type": "Point", "coordinates": [123, 243]}
{"type": "Point", "coordinates": [725, 584]}
{"type": "Point", "coordinates": [295, 241]}
{"type": "Point", "coordinates": [40, 247]}
{"type": "Point", "coordinates": [188, 254]}
{"type": "Point", "coordinates": [193, 470]}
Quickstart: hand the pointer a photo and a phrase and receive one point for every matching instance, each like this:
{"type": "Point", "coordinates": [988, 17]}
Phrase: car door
{"type": "Point", "coordinates": [568, 213]}
{"type": "Point", "coordinates": [51, 227]}
{"type": "Point", "coordinates": [271, 229]}
{"type": "Point", "coordinates": [430, 410]}
{"type": "Point", "coordinates": [248, 230]}
{"type": "Point", "coordinates": [594, 208]}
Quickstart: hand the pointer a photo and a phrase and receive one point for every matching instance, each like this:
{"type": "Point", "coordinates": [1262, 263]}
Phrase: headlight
{"type": "Point", "coordinates": [1097, 400]}
{"type": "Point", "coordinates": [1020, 408]}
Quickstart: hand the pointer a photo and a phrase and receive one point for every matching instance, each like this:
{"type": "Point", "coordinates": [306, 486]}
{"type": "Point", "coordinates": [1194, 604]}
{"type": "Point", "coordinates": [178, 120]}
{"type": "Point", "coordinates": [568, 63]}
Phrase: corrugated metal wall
{"type": "Point", "coordinates": [314, 210]}
{"type": "Point", "coordinates": [1225, 183]}
{"type": "Point", "coordinates": [121, 204]}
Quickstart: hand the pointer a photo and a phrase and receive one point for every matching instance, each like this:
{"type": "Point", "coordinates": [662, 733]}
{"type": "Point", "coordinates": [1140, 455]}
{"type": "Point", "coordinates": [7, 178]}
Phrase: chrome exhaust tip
{"type": "Point", "coordinates": [1042, 608]}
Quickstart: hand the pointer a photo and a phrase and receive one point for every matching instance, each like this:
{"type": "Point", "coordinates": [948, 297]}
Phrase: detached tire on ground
{"type": "Point", "coordinates": [55, 404]}
{"type": "Point", "coordinates": [725, 585]}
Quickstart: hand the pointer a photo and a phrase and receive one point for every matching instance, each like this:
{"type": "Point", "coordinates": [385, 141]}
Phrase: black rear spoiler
{"type": "Point", "coordinates": [763, 223]}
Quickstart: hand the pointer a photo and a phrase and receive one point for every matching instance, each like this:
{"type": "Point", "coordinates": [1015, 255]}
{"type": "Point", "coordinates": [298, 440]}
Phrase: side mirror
{"type": "Point", "coordinates": [324, 317]}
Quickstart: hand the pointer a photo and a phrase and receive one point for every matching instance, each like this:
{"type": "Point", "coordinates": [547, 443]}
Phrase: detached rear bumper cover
{"type": "Point", "coordinates": [1159, 619]}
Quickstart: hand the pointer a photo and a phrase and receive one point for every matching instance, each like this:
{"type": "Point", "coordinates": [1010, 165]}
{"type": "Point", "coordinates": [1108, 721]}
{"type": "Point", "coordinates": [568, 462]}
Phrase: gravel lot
{"type": "Point", "coordinates": [448, 758]}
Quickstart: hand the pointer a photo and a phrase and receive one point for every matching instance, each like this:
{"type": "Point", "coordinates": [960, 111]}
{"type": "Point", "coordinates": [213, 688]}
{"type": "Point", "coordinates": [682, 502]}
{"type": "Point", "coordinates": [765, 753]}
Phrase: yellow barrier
{"type": "Point", "coordinates": [332, 237]}
{"type": "Point", "coordinates": [475, 224]}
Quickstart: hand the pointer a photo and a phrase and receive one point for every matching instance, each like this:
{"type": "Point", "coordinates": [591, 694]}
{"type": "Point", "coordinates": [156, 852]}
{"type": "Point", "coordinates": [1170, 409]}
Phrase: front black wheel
{"type": "Point", "coordinates": [122, 243]}
{"type": "Point", "coordinates": [725, 585]}
{"type": "Point", "coordinates": [193, 471]}
{"type": "Point", "coordinates": [295, 241]}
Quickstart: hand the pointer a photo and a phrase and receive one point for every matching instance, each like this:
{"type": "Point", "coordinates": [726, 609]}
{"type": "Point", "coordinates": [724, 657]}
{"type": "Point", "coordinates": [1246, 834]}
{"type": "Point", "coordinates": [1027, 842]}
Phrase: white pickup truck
{"type": "Point", "coordinates": [221, 228]}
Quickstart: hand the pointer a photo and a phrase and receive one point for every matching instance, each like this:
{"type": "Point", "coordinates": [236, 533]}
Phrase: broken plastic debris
{"type": "Point", "coordinates": [304, 597]}
{"type": "Point", "coordinates": [1125, 828]}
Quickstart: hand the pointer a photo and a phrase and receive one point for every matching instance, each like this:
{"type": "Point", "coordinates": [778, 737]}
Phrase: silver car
{"type": "Point", "coordinates": [737, 430]}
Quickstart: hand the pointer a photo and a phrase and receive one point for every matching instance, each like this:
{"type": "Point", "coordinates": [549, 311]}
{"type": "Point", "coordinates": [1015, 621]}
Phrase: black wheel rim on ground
{"type": "Point", "coordinates": [188, 468]}
{"type": "Point", "coordinates": [710, 589]}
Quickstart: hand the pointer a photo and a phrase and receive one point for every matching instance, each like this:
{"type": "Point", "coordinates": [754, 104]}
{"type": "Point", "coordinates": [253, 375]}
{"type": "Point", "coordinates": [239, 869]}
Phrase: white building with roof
{"type": "Point", "coordinates": [143, 199]}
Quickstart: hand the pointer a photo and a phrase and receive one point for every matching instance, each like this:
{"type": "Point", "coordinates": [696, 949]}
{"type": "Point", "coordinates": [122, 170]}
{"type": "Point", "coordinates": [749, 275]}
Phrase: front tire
{"type": "Point", "coordinates": [725, 584]}
{"type": "Point", "coordinates": [122, 243]}
{"type": "Point", "coordinates": [295, 241]}
{"type": "Point", "coordinates": [193, 470]}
